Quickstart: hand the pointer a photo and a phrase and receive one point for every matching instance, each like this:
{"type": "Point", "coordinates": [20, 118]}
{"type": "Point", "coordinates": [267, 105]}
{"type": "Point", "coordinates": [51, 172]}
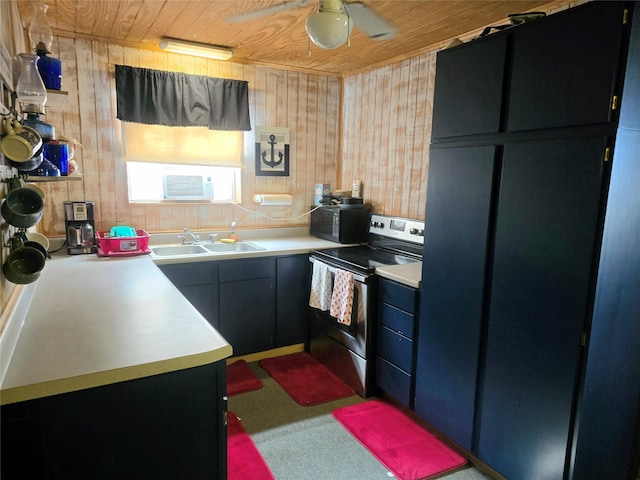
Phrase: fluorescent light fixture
{"type": "Point", "coordinates": [198, 49]}
{"type": "Point", "coordinates": [331, 26]}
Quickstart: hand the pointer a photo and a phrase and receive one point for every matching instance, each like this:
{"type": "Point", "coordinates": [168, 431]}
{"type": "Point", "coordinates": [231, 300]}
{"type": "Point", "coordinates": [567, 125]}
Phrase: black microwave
{"type": "Point", "coordinates": [340, 224]}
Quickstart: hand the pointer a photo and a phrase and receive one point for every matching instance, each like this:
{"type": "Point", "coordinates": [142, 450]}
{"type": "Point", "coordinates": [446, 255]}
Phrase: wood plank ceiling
{"type": "Point", "coordinates": [277, 40]}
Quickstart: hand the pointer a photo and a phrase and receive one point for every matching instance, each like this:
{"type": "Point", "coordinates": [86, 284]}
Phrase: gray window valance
{"type": "Point", "coordinates": [156, 97]}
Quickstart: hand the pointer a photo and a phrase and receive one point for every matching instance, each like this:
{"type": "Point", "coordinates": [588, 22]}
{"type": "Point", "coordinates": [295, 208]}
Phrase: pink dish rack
{"type": "Point", "coordinates": [123, 246]}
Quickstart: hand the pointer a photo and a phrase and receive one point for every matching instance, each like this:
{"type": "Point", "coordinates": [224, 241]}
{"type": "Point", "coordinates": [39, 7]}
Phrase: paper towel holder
{"type": "Point", "coordinates": [267, 199]}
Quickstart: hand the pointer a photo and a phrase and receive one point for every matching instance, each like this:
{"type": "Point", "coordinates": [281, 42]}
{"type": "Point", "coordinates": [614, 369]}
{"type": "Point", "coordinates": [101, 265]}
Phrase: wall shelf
{"type": "Point", "coordinates": [56, 98]}
{"type": "Point", "coordinates": [67, 178]}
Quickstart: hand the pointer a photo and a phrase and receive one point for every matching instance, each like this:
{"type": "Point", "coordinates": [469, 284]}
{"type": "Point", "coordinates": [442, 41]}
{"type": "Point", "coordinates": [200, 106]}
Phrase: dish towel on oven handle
{"type": "Point", "coordinates": [342, 297]}
{"type": "Point", "coordinates": [320, 296]}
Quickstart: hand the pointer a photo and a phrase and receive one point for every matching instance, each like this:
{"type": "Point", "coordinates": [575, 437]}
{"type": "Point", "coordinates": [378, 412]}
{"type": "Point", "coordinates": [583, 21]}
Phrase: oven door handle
{"type": "Point", "coordinates": [356, 277]}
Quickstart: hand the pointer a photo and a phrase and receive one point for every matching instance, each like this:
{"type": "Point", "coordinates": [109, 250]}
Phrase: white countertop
{"type": "Point", "coordinates": [92, 321]}
{"type": "Point", "coordinates": [408, 273]}
{"type": "Point", "coordinates": [95, 321]}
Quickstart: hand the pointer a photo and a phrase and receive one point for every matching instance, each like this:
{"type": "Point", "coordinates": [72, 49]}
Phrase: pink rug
{"type": "Point", "coordinates": [243, 458]}
{"type": "Point", "coordinates": [305, 380]}
{"type": "Point", "coordinates": [409, 451]}
{"type": "Point", "coordinates": [241, 379]}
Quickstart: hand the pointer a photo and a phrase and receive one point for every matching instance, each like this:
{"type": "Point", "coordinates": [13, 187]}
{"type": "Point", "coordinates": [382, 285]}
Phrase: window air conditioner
{"type": "Point", "coordinates": [187, 187]}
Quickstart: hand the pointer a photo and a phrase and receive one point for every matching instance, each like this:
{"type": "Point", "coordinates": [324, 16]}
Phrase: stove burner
{"type": "Point", "coordinates": [362, 259]}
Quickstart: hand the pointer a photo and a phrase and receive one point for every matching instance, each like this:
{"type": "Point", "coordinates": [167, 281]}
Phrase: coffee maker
{"type": "Point", "coordinates": [80, 227]}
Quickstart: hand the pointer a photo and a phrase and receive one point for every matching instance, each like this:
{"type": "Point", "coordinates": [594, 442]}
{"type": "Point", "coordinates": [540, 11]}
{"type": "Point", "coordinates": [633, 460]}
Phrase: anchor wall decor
{"type": "Point", "coordinates": [272, 151]}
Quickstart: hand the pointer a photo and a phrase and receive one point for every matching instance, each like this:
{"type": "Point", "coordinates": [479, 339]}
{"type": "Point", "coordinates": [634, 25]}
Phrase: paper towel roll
{"type": "Point", "coordinates": [273, 198]}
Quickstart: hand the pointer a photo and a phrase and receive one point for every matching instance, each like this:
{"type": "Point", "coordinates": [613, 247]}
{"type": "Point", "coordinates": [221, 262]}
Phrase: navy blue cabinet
{"type": "Point", "coordinates": [255, 303]}
{"type": "Point", "coordinates": [541, 276]}
{"type": "Point", "coordinates": [397, 314]}
{"type": "Point", "coordinates": [198, 282]}
{"type": "Point", "coordinates": [528, 332]}
{"type": "Point", "coordinates": [293, 277]}
{"type": "Point", "coordinates": [248, 304]}
{"type": "Point", "coordinates": [461, 182]}
{"type": "Point", "coordinates": [607, 440]}
{"type": "Point", "coordinates": [468, 93]}
{"type": "Point", "coordinates": [562, 73]}
{"type": "Point", "coordinates": [164, 426]}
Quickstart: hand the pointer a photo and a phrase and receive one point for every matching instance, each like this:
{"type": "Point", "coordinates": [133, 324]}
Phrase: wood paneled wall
{"type": "Point", "coordinates": [307, 104]}
{"type": "Point", "coordinates": [386, 134]}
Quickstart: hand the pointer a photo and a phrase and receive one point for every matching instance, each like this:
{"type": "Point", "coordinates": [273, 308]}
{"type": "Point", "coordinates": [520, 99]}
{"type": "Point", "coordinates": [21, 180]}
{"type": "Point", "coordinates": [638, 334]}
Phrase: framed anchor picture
{"type": "Point", "coordinates": [272, 151]}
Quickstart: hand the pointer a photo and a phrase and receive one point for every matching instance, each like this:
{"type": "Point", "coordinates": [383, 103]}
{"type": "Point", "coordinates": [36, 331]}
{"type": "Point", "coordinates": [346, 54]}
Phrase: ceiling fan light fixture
{"type": "Point", "coordinates": [329, 29]}
{"type": "Point", "coordinates": [197, 49]}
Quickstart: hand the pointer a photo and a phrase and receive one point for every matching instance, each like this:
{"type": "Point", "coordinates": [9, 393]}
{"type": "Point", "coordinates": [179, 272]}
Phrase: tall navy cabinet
{"type": "Point", "coordinates": [608, 430]}
{"type": "Point", "coordinates": [459, 201]}
{"type": "Point", "coordinates": [529, 325]}
{"type": "Point", "coordinates": [542, 264]}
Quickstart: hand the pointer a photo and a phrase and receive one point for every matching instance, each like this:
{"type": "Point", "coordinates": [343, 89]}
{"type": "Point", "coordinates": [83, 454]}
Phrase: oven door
{"type": "Point", "coordinates": [347, 350]}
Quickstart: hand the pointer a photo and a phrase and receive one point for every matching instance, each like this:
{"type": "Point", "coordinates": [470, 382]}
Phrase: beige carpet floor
{"type": "Point", "coordinates": [307, 443]}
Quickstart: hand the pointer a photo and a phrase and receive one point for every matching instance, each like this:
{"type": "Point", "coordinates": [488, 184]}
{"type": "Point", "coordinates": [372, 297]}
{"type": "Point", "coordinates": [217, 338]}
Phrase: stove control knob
{"type": "Point", "coordinates": [381, 224]}
{"type": "Point", "coordinates": [421, 233]}
{"type": "Point", "coordinates": [413, 231]}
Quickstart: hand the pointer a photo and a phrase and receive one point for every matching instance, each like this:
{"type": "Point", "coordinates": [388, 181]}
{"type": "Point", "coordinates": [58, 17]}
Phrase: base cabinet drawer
{"type": "Point", "coordinates": [394, 381]}
{"type": "Point", "coordinates": [396, 319]}
{"type": "Point", "coordinates": [395, 348]}
{"type": "Point", "coordinates": [399, 295]}
{"type": "Point", "coordinates": [247, 269]}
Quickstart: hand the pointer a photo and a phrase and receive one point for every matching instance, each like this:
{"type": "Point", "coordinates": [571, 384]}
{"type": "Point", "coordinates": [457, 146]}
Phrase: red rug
{"type": "Point", "coordinates": [241, 379]}
{"type": "Point", "coordinates": [305, 380]}
{"type": "Point", "coordinates": [409, 451]}
{"type": "Point", "coordinates": [243, 458]}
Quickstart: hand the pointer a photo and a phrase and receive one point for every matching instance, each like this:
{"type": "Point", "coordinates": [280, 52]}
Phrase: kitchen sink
{"type": "Point", "coordinates": [178, 250]}
{"type": "Point", "coordinates": [172, 250]}
{"type": "Point", "coordinates": [232, 247]}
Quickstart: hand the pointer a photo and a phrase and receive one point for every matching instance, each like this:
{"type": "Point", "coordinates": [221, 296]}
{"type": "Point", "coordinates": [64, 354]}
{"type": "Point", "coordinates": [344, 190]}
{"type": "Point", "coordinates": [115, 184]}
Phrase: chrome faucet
{"type": "Point", "coordinates": [194, 238]}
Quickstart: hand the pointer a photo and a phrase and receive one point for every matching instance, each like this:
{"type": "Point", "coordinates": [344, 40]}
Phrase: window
{"type": "Point", "coordinates": [148, 182]}
{"type": "Point", "coordinates": [182, 163]}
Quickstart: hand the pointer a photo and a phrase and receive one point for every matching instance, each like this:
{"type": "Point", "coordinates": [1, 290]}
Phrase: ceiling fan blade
{"type": "Point", "coordinates": [370, 22]}
{"type": "Point", "coordinates": [263, 12]}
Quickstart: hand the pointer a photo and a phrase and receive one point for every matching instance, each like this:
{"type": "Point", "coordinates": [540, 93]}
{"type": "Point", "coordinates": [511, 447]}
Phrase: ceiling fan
{"type": "Point", "coordinates": [330, 26]}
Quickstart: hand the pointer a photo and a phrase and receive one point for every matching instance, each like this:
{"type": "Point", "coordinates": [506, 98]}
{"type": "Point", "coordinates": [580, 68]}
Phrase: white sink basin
{"type": "Point", "coordinates": [232, 247]}
{"type": "Point", "coordinates": [172, 250]}
{"type": "Point", "coordinates": [178, 250]}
